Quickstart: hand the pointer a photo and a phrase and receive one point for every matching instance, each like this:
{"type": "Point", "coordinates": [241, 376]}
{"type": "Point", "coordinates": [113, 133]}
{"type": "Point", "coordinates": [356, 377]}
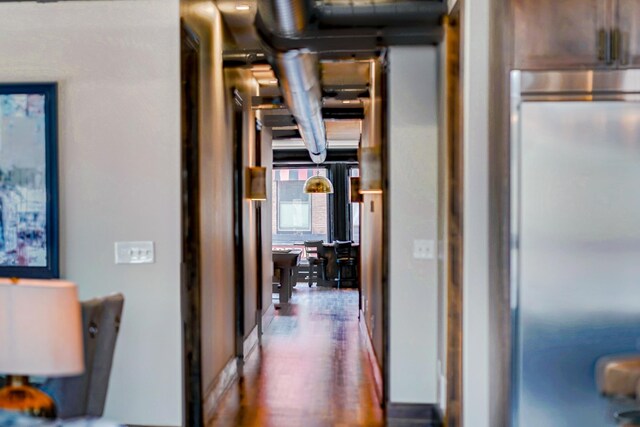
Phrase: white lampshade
{"type": "Point", "coordinates": [40, 328]}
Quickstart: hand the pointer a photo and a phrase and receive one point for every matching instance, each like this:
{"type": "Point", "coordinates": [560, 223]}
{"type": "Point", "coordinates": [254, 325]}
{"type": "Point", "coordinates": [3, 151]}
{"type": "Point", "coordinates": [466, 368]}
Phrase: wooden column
{"type": "Point", "coordinates": [454, 188]}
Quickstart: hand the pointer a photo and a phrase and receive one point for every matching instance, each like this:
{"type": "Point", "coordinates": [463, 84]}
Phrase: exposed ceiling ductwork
{"type": "Point", "coordinates": [298, 72]}
{"type": "Point", "coordinates": [299, 77]}
{"type": "Point", "coordinates": [296, 32]}
{"type": "Point", "coordinates": [354, 26]}
{"type": "Point", "coordinates": [380, 14]}
{"type": "Point", "coordinates": [290, 16]}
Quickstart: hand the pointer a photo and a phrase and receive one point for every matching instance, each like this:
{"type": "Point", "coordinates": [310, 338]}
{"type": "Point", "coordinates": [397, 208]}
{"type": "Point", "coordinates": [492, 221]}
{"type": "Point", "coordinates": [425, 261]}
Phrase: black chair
{"type": "Point", "coordinates": [316, 262]}
{"type": "Point", "coordinates": [347, 264]}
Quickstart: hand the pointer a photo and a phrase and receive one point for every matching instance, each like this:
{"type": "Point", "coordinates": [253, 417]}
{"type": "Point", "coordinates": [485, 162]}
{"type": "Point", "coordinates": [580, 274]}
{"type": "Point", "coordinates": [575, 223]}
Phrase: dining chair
{"type": "Point", "coordinates": [347, 264]}
{"type": "Point", "coordinates": [316, 262]}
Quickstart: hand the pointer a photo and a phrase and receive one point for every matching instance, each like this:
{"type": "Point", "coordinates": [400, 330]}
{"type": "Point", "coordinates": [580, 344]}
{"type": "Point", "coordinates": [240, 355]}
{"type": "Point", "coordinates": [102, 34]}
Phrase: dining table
{"type": "Point", "coordinates": [286, 261]}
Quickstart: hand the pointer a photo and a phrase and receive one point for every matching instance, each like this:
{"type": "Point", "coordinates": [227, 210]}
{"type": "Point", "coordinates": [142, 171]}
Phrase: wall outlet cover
{"type": "Point", "coordinates": [134, 252]}
{"type": "Point", "coordinates": [423, 249]}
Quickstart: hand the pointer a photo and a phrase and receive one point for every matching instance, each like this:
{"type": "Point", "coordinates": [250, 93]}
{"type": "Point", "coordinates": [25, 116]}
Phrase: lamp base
{"type": "Point", "coordinates": [19, 396]}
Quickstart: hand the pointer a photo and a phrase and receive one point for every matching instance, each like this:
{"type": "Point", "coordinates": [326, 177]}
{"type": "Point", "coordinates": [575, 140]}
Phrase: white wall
{"type": "Point", "coordinates": [413, 192]}
{"type": "Point", "coordinates": [117, 65]}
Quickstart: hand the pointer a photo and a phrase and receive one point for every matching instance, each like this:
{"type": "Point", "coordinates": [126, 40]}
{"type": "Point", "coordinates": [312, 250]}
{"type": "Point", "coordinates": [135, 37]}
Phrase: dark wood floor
{"type": "Point", "coordinates": [312, 369]}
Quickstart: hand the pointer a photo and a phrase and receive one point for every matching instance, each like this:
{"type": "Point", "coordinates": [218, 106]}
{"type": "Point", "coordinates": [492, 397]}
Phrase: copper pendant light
{"type": "Point", "coordinates": [319, 185]}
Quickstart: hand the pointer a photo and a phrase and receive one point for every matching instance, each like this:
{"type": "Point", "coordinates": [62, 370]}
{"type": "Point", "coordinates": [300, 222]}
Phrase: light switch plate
{"type": "Point", "coordinates": [134, 252]}
{"type": "Point", "coordinates": [423, 249]}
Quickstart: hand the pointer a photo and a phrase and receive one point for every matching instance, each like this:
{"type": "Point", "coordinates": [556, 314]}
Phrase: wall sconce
{"type": "Point", "coordinates": [256, 179]}
{"type": "Point", "coordinates": [354, 195]}
{"type": "Point", "coordinates": [370, 170]}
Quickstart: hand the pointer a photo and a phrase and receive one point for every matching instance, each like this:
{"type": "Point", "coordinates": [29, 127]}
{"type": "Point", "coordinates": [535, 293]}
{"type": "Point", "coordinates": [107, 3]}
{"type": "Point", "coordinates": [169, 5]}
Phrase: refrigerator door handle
{"type": "Point", "coordinates": [603, 46]}
{"type": "Point", "coordinates": [615, 45]}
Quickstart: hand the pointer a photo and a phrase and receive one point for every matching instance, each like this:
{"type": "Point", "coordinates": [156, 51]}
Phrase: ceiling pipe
{"type": "Point", "coordinates": [298, 72]}
{"type": "Point", "coordinates": [298, 68]}
{"type": "Point", "coordinates": [403, 13]}
{"type": "Point", "coordinates": [348, 28]}
{"type": "Point", "coordinates": [243, 58]}
{"type": "Point", "coordinates": [290, 16]}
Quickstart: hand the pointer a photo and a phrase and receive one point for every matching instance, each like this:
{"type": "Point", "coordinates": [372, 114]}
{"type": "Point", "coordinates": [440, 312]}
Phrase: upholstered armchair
{"type": "Point", "coordinates": [85, 395]}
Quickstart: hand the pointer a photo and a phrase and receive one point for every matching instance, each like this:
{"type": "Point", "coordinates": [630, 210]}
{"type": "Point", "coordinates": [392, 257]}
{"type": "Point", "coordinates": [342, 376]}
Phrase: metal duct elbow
{"type": "Point", "coordinates": [303, 95]}
{"type": "Point", "coordinates": [287, 18]}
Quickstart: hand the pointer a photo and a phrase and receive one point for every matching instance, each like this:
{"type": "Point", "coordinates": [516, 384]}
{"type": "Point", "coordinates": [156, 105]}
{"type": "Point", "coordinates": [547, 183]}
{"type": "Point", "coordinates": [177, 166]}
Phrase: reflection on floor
{"type": "Point", "coordinates": [312, 369]}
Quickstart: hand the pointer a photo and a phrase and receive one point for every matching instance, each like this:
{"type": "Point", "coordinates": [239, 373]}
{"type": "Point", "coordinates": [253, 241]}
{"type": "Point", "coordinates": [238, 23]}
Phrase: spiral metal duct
{"type": "Point", "coordinates": [303, 95]}
{"type": "Point", "coordinates": [298, 72]}
{"type": "Point", "coordinates": [298, 67]}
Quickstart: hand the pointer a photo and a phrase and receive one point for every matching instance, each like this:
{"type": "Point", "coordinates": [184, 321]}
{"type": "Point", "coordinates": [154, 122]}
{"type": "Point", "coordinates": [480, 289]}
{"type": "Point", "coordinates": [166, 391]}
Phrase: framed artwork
{"type": "Point", "coordinates": [28, 180]}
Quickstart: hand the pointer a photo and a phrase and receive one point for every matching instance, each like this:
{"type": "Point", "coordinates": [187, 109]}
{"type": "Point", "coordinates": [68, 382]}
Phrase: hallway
{"type": "Point", "coordinates": [312, 369]}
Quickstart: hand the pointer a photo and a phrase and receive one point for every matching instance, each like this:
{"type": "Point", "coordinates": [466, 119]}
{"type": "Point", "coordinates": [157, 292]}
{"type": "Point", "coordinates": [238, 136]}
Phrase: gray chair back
{"type": "Point", "coordinates": [103, 356]}
{"type": "Point", "coordinates": [85, 394]}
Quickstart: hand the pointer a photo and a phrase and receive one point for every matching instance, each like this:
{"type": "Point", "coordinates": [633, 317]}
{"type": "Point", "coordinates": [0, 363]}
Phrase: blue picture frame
{"type": "Point", "coordinates": [29, 235]}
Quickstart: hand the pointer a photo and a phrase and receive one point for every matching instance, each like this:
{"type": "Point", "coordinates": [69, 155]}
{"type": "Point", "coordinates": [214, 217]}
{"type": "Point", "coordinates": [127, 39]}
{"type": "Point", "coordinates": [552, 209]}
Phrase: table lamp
{"type": "Point", "coordinates": [40, 334]}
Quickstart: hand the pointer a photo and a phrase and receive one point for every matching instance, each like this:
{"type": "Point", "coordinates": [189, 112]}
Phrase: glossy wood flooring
{"type": "Point", "coordinates": [312, 369]}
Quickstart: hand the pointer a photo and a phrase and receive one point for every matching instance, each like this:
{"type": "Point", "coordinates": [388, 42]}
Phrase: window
{"type": "Point", "coordinates": [294, 207]}
{"type": "Point", "coordinates": [297, 216]}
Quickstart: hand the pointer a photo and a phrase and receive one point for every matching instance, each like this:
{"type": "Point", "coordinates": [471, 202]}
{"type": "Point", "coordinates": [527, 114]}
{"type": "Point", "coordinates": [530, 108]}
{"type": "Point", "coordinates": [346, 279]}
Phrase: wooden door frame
{"type": "Point", "coordinates": [454, 170]}
{"type": "Point", "coordinates": [190, 290]}
{"type": "Point", "coordinates": [501, 63]}
{"type": "Point", "coordinates": [386, 232]}
{"type": "Point", "coordinates": [238, 221]}
{"type": "Point", "coordinates": [259, 240]}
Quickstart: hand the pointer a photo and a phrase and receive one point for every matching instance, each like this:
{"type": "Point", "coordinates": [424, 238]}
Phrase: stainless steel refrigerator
{"type": "Point", "coordinates": [575, 243]}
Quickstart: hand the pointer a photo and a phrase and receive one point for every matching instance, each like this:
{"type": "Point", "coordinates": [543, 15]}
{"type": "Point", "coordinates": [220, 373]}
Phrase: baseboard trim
{"type": "Point", "coordinates": [259, 320]}
{"type": "Point", "coordinates": [268, 316]}
{"type": "Point", "coordinates": [250, 342]}
{"type": "Point", "coordinates": [221, 384]}
{"type": "Point", "coordinates": [413, 414]}
{"type": "Point", "coordinates": [373, 359]}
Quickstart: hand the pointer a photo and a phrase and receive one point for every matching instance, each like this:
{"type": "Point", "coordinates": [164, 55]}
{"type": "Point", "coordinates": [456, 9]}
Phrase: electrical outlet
{"type": "Point", "coordinates": [423, 249]}
{"type": "Point", "coordinates": [134, 252]}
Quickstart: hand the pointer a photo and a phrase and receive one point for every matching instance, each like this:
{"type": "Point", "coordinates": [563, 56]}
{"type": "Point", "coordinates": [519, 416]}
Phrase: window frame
{"type": "Point", "coordinates": [276, 200]}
